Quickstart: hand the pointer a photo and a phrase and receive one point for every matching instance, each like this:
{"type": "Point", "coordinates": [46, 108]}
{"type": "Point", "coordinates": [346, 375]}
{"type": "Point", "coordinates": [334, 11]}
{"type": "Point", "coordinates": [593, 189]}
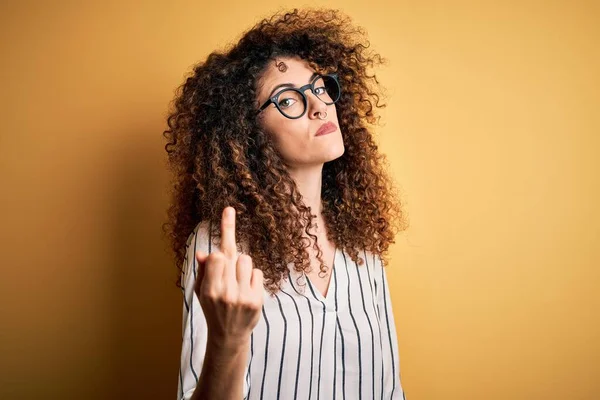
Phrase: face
{"type": "Point", "coordinates": [296, 139]}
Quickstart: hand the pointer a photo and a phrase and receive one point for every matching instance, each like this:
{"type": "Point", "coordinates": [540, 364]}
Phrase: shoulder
{"type": "Point", "coordinates": [197, 240]}
{"type": "Point", "coordinates": [200, 232]}
{"type": "Point", "coordinates": [372, 260]}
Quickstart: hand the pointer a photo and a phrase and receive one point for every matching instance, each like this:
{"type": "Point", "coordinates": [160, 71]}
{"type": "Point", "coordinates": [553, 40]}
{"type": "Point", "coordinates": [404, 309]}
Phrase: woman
{"type": "Point", "coordinates": [282, 187]}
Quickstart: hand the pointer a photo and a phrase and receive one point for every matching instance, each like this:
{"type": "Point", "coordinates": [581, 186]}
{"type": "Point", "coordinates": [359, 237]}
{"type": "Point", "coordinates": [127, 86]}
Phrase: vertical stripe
{"type": "Point", "coordinates": [322, 334]}
{"type": "Point", "coordinates": [283, 335]}
{"type": "Point", "coordinates": [262, 386]}
{"type": "Point", "coordinates": [362, 295]}
{"type": "Point", "coordinates": [335, 341]}
{"type": "Point", "coordinates": [374, 297]}
{"type": "Point", "coordinates": [282, 348]}
{"type": "Point", "coordinates": [250, 363]}
{"type": "Point", "coordinates": [299, 345]}
{"type": "Point", "coordinates": [185, 303]}
{"type": "Point", "coordinates": [389, 330]}
{"type": "Point", "coordinates": [337, 318]}
{"type": "Point", "coordinates": [180, 384]}
{"type": "Point", "coordinates": [335, 364]}
{"type": "Point", "coordinates": [312, 333]}
{"type": "Point", "coordinates": [357, 335]}
{"type": "Point", "coordinates": [183, 287]}
{"type": "Point", "coordinates": [192, 312]}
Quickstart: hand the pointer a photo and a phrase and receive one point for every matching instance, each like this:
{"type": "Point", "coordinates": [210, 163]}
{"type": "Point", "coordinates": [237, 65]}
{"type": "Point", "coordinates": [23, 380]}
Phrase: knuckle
{"type": "Point", "coordinates": [229, 297]}
{"type": "Point", "coordinates": [245, 266]}
{"type": "Point", "coordinates": [250, 304]}
{"type": "Point", "coordinates": [245, 258]}
{"type": "Point", "coordinates": [209, 293]}
{"type": "Point", "coordinates": [255, 305]}
{"type": "Point", "coordinates": [216, 256]}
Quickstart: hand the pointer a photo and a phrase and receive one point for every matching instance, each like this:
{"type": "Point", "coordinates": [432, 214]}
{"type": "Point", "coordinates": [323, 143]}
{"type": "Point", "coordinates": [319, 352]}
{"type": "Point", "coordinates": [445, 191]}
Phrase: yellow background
{"type": "Point", "coordinates": [492, 132]}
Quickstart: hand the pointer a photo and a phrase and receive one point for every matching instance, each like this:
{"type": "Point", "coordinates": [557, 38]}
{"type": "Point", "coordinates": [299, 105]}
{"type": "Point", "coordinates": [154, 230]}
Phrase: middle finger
{"type": "Point", "coordinates": [228, 245]}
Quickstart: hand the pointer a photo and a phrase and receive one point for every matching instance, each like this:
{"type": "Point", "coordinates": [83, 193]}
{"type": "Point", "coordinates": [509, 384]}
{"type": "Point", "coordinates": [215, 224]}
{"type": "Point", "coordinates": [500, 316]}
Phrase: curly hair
{"type": "Point", "coordinates": [219, 156]}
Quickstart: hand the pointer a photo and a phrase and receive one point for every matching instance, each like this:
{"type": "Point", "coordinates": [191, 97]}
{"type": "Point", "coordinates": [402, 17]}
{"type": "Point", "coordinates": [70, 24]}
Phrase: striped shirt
{"type": "Point", "coordinates": [306, 345]}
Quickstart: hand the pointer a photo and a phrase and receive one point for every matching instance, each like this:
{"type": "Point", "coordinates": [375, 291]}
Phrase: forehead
{"type": "Point", "coordinates": [284, 70]}
{"type": "Point", "coordinates": [285, 65]}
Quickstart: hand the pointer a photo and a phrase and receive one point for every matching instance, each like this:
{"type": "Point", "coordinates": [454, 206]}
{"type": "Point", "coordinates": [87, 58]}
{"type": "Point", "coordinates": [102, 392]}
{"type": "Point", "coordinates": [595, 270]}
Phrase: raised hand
{"type": "Point", "coordinates": [230, 290]}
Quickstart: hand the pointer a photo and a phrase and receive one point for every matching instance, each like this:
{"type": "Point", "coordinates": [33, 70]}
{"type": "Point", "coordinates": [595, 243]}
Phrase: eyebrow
{"type": "Point", "coordinates": [313, 76]}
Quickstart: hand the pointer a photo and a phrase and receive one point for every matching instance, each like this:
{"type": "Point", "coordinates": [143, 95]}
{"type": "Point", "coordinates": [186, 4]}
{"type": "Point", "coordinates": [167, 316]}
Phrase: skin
{"type": "Point", "coordinates": [303, 152]}
{"type": "Point", "coordinates": [230, 292]}
{"type": "Point", "coordinates": [229, 288]}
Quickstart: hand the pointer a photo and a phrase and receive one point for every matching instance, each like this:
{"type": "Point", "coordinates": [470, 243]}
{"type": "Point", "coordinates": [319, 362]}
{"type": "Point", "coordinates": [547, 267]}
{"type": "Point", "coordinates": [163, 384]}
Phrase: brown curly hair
{"type": "Point", "coordinates": [219, 155]}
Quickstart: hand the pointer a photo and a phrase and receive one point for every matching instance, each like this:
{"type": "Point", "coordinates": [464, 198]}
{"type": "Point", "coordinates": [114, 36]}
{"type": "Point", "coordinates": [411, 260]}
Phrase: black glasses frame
{"type": "Point", "coordinates": [275, 98]}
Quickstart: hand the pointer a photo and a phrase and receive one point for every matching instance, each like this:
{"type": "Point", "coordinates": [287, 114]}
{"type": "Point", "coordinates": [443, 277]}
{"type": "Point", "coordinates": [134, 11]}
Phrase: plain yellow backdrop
{"type": "Point", "coordinates": [492, 135]}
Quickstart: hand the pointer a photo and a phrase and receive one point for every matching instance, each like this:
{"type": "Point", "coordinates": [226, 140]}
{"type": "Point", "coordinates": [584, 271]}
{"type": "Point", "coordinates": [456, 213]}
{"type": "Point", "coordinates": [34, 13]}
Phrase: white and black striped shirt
{"type": "Point", "coordinates": [305, 345]}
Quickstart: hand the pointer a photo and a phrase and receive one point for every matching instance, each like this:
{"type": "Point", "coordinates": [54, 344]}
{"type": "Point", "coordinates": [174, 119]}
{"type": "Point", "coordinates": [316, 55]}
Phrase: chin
{"type": "Point", "coordinates": [337, 154]}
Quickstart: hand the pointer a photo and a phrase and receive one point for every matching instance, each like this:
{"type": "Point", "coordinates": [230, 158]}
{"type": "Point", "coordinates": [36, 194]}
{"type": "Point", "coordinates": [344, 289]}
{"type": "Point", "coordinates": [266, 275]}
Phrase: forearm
{"type": "Point", "coordinates": [222, 376]}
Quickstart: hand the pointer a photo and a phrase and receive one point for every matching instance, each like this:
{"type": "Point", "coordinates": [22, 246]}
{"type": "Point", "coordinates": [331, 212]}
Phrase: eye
{"type": "Point", "coordinates": [318, 90]}
{"type": "Point", "coordinates": [284, 103]}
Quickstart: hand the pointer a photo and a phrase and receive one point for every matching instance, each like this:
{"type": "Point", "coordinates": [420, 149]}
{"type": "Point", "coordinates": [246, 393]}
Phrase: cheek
{"type": "Point", "coordinates": [286, 139]}
{"type": "Point", "coordinates": [291, 142]}
{"type": "Point", "coordinates": [287, 132]}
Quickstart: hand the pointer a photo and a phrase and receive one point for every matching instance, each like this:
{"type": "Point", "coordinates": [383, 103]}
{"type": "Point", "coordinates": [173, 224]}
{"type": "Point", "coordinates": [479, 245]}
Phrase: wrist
{"type": "Point", "coordinates": [231, 346]}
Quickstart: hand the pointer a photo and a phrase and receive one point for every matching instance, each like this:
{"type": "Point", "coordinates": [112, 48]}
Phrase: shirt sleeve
{"type": "Point", "coordinates": [392, 386]}
{"type": "Point", "coordinates": [194, 329]}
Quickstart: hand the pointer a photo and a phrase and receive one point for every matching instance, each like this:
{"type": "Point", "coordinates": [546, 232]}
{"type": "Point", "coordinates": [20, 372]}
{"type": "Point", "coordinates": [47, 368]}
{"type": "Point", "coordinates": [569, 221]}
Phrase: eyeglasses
{"type": "Point", "coordinates": [292, 102]}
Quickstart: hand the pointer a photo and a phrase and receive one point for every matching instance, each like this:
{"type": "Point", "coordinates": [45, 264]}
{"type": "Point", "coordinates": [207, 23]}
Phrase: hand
{"type": "Point", "coordinates": [229, 289]}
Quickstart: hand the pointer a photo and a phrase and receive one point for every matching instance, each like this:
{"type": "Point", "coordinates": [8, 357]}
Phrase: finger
{"type": "Point", "coordinates": [256, 282]}
{"type": "Point", "coordinates": [244, 272]}
{"type": "Point", "coordinates": [201, 261]}
{"type": "Point", "coordinates": [213, 271]}
{"type": "Point", "coordinates": [228, 245]}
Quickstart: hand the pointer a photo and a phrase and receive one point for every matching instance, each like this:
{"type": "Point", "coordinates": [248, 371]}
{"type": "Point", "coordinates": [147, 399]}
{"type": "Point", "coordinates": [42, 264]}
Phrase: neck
{"type": "Point", "coordinates": [308, 181]}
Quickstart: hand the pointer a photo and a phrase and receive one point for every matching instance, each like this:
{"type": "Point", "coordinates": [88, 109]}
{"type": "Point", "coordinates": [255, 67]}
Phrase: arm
{"type": "Point", "coordinates": [223, 373]}
{"type": "Point", "coordinates": [208, 370]}
{"type": "Point", "coordinates": [391, 381]}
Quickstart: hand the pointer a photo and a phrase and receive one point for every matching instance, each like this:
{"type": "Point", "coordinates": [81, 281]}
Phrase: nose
{"type": "Point", "coordinates": [315, 105]}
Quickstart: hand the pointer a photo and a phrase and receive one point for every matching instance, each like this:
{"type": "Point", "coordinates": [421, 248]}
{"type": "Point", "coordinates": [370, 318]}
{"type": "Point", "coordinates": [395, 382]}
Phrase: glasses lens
{"type": "Point", "coordinates": [327, 89]}
{"type": "Point", "coordinates": [291, 103]}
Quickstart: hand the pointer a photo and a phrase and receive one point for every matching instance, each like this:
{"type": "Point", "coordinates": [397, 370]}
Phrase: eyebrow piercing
{"type": "Point", "coordinates": [281, 66]}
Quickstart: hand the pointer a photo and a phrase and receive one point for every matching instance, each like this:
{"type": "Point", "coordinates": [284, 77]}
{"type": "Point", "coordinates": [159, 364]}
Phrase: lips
{"type": "Point", "coordinates": [326, 128]}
